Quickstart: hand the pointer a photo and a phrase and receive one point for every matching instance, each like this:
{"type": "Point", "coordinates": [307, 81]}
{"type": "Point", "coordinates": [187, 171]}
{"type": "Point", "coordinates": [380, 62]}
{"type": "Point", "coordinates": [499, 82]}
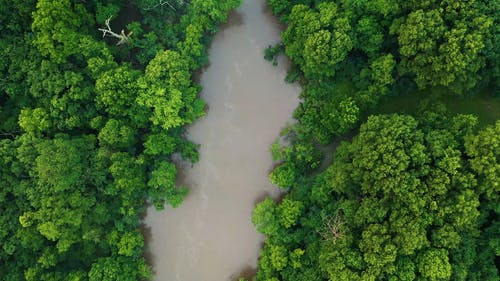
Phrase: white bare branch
{"type": "Point", "coordinates": [333, 228]}
{"type": "Point", "coordinates": [166, 2]}
{"type": "Point", "coordinates": [123, 38]}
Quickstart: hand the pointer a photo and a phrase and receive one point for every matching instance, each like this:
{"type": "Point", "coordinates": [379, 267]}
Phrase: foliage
{"type": "Point", "coordinates": [272, 52]}
{"type": "Point", "coordinates": [409, 198]}
{"type": "Point", "coordinates": [374, 46]}
{"type": "Point", "coordinates": [88, 130]}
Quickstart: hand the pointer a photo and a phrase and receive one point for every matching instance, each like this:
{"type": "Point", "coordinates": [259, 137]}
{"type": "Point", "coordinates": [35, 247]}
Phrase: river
{"type": "Point", "coordinates": [210, 237]}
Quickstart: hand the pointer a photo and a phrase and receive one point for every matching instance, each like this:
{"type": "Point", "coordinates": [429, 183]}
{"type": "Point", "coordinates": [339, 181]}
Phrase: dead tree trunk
{"type": "Point", "coordinates": [169, 3]}
{"type": "Point", "coordinates": [123, 38]}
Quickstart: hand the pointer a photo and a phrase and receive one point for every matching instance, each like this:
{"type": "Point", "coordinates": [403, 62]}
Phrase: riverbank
{"type": "Point", "coordinates": [210, 236]}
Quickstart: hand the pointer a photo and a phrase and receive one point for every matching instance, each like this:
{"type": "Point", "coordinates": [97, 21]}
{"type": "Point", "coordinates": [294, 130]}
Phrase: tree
{"type": "Point", "coordinates": [87, 130]}
{"type": "Point", "coordinates": [400, 201]}
{"type": "Point", "coordinates": [359, 53]}
{"type": "Point", "coordinates": [456, 61]}
{"type": "Point", "coordinates": [116, 134]}
{"type": "Point", "coordinates": [264, 217]}
{"type": "Point", "coordinates": [370, 35]}
{"type": "Point", "coordinates": [434, 265]}
{"type": "Point", "coordinates": [116, 91]}
{"type": "Point", "coordinates": [34, 121]}
{"type": "Point", "coordinates": [288, 212]}
{"type": "Point", "coordinates": [55, 24]}
{"type": "Point", "coordinates": [484, 151]}
{"type": "Point", "coordinates": [162, 185]}
{"type": "Point", "coordinates": [318, 41]}
{"type": "Point", "coordinates": [166, 89]}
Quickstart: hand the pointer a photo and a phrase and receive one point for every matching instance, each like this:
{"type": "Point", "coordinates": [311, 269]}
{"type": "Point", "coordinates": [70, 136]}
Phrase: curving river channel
{"type": "Point", "coordinates": [210, 237]}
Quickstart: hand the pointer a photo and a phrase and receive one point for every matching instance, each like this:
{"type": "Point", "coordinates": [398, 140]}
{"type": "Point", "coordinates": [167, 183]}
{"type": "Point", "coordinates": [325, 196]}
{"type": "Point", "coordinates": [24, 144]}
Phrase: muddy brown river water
{"type": "Point", "coordinates": [210, 237]}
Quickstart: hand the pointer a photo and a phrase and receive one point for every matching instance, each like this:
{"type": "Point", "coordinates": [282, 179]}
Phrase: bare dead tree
{"type": "Point", "coordinates": [7, 135]}
{"type": "Point", "coordinates": [169, 3]}
{"type": "Point", "coordinates": [123, 38]}
{"type": "Point", "coordinates": [333, 228]}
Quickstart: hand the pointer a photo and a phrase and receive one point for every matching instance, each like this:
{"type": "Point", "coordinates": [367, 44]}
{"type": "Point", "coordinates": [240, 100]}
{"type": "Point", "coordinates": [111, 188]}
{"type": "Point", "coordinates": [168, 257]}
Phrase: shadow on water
{"type": "Point", "coordinates": [235, 18]}
{"type": "Point", "coordinates": [248, 272]}
{"type": "Point", "coordinates": [148, 236]}
{"type": "Point", "coordinates": [259, 198]}
{"type": "Point", "coordinates": [277, 196]}
{"type": "Point", "coordinates": [181, 166]}
{"type": "Point", "coordinates": [180, 179]}
{"type": "Point", "coordinates": [266, 10]}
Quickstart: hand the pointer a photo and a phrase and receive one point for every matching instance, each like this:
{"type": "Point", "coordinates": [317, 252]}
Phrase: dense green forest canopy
{"type": "Point", "coordinates": [349, 54]}
{"type": "Point", "coordinates": [88, 128]}
{"type": "Point", "coordinates": [407, 199]}
{"type": "Point", "coordinates": [410, 197]}
{"type": "Point", "coordinates": [95, 95]}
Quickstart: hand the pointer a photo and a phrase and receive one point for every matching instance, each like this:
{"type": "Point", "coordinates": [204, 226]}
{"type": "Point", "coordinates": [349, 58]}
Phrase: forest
{"type": "Point", "coordinates": [94, 99]}
{"type": "Point", "coordinates": [412, 192]}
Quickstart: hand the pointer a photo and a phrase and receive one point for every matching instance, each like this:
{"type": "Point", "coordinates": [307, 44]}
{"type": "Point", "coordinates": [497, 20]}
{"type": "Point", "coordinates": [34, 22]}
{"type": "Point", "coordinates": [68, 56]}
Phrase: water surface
{"type": "Point", "coordinates": [210, 237]}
